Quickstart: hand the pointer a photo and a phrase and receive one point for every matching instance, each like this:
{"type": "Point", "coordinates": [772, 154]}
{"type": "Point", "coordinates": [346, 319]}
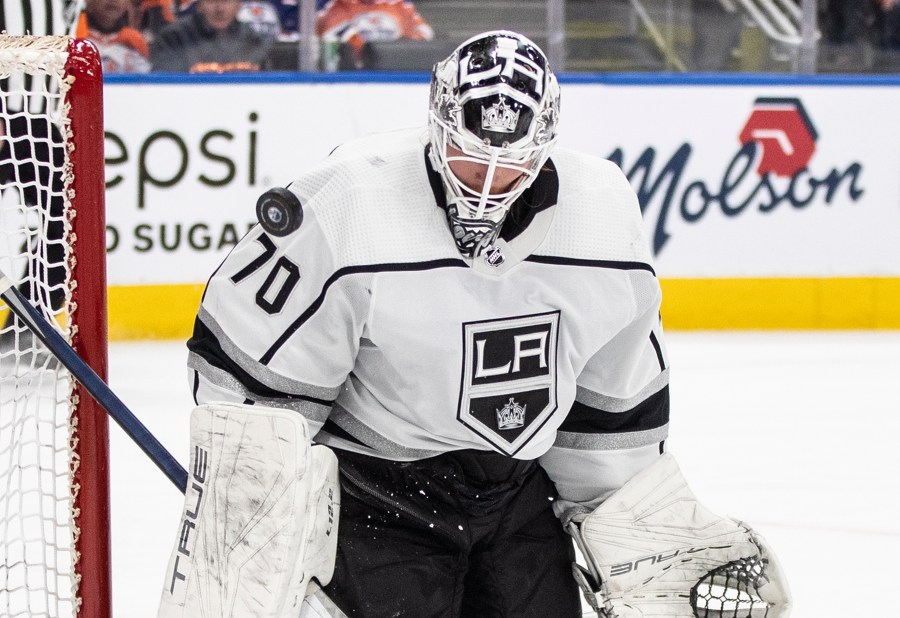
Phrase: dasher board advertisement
{"type": "Point", "coordinates": [738, 178]}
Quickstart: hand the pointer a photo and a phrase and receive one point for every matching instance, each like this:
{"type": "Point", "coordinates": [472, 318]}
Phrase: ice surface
{"type": "Point", "coordinates": [795, 433]}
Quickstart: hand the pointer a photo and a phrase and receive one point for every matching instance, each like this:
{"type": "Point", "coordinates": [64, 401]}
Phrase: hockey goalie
{"type": "Point", "coordinates": [435, 368]}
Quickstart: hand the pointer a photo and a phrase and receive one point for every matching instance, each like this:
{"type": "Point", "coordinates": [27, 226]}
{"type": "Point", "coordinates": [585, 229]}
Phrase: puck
{"type": "Point", "coordinates": [279, 211]}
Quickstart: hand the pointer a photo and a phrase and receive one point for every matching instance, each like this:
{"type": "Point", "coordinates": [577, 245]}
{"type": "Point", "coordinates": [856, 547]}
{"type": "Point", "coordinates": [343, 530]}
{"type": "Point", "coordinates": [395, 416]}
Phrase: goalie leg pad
{"type": "Point", "coordinates": [653, 550]}
{"type": "Point", "coordinates": [260, 516]}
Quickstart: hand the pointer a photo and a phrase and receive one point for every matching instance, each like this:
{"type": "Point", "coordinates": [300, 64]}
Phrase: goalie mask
{"type": "Point", "coordinates": [493, 119]}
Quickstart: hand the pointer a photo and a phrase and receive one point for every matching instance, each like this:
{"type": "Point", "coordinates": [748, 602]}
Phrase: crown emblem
{"type": "Point", "coordinates": [447, 109]}
{"type": "Point", "coordinates": [546, 123]}
{"type": "Point", "coordinates": [499, 117]}
{"type": "Point", "coordinates": [511, 416]}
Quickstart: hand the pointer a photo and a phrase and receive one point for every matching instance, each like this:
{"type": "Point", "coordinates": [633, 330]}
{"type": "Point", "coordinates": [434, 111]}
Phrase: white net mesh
{"type": "Point", "coordinates": [732, 591]}
{"type": "Point", "coordinates": [37, 574]}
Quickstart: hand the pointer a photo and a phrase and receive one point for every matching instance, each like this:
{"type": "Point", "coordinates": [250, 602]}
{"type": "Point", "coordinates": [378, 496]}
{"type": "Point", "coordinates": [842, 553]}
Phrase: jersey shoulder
{"type": "Point", "coordinates": [372, 201]}
{"type": "Point", "coordinates": [598, 215]}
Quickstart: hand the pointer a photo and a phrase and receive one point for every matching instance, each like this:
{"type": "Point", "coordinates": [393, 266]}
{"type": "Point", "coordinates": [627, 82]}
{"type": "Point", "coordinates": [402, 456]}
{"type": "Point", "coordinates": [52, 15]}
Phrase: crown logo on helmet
{"type": "Point", "coordinates": [511, 416]}
{"type": "Point", "coordinates": [546, 126]}
{"type": "Point", "coordinates": [499, 117]}
{"type": "Point", "coordinates": [448, 109]}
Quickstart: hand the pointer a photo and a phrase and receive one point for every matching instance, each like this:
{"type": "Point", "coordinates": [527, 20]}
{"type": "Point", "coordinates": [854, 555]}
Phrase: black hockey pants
{"type": "Point", "coordinates": [465, 534]}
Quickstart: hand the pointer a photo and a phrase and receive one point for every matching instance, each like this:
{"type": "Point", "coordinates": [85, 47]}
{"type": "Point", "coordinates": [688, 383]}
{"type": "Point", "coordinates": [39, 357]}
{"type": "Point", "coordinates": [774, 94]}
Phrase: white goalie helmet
{"type": "Point", "coordinates": [494, 102]}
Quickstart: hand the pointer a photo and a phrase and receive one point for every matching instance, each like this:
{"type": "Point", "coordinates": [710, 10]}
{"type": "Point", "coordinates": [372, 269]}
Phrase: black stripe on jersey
{"type": "Point", "coordinates": [204, 343]}
{"type": "Point", "coordinates": [195, 387]}
{"type": "Point", "coordinates": [436, 181]}
{"type": "Point", "coordinates": [354, 270]}
{"type": "Point", "coordinates": [651, 413]}
{"type": "Point", "coordinates": [659, 357]}
{"type": "Point", "coordinates": [332, 428]}
{"type": "Point", "coordinates": [567, 261]}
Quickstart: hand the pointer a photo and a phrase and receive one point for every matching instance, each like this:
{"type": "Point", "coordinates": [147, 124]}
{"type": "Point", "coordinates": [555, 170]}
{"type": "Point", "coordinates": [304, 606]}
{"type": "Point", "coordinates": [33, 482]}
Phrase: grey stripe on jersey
{"type": "Point", "coordinates": [315, 413]}
{"type": "Point", "coordinates": [610, 441]}
{"type": "Point", "coordinates": [614, 404]}
{"type": "Point", "coordinates": [381, 445]}
{"type": "Point", "coordinates": [261, 373]}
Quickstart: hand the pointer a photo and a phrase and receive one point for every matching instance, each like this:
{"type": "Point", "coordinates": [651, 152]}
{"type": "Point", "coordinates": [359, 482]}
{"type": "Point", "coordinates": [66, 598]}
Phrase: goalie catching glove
{"type": "Point", "coordinates": [260, 516]}
{"type": "Point", "coordinates": [653, 551]}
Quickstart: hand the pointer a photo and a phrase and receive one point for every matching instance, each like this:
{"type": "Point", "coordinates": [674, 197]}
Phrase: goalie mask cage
{"type": "Point", "coordinates": [54, 474]}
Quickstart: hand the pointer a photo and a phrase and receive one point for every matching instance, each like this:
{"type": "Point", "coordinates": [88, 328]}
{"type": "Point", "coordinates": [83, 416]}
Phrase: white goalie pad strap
{"type": "Point", "coordinates": [260, 516]}
{"type": "Point", "coordinates": [318, 605]}
{"type": "Point", "coordinates": [652, 547]}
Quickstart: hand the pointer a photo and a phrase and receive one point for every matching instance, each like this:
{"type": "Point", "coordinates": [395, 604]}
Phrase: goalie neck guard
{"type": "Point", "coordinates": [494, 103]}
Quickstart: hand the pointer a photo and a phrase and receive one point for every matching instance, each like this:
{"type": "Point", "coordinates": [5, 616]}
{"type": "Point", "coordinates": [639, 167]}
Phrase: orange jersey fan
{"type": "Point", "coordinates": [359, 21]}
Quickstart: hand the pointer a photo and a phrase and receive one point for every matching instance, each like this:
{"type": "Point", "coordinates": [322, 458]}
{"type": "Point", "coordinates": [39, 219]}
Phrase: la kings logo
{"type": "Point", "coordinates": [509, 378]}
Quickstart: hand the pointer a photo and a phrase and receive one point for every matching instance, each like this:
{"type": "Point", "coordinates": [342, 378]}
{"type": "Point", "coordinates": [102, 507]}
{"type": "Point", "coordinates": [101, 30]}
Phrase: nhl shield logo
{"type": "Point", "coordinates": [494, 257]}
{"type": "Point", "coordinates": [509, 378]}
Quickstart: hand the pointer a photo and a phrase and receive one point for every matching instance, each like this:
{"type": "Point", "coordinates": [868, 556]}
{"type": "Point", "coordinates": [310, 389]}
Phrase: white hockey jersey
{"type": "Point", "coordinates": [369, 322]}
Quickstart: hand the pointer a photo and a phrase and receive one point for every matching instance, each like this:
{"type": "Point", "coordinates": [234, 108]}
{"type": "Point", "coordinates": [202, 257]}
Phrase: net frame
{"type": "Point", "coordinates": [75, 67]}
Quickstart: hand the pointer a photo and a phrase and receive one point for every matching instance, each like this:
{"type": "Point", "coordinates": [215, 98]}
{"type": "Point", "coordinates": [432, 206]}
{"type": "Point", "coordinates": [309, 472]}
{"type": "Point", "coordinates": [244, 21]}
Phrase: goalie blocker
{"type": "Point", "coordinates": [259, 524]}
{"type": "Point", "coordinates": [653, 551]}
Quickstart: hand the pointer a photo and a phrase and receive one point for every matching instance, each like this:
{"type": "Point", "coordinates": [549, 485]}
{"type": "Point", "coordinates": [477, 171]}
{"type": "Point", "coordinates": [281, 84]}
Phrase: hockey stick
{"type": "Point", "coordinates": [316, 605]}
{"type": "Point", "coordinates": [94, 385]}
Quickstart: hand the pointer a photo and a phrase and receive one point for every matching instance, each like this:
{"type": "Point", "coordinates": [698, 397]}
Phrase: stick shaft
{"type": "Point", "coordinates": [126, 419]}
{"type": "Point", "coordinates": [94, 385]}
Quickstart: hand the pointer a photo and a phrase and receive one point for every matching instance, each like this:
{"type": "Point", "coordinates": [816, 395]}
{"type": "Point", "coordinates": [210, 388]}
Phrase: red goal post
{"type": "Point", "coordinates": [54, 468]}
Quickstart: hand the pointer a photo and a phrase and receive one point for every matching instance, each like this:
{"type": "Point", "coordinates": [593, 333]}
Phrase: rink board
{"type": "Point", "coordinates": [770, 202]}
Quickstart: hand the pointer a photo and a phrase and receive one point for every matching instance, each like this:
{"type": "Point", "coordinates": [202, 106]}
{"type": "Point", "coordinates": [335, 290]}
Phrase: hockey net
{"type": "Point", "coordinates": [54, 496]}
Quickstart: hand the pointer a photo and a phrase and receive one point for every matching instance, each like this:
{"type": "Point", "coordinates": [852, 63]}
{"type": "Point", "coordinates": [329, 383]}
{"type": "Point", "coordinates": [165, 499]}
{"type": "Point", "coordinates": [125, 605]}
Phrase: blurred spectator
{"type": "Point", "coordinates": [887, 24]}
{"type": "Point", "coordinates": [264, 17]}
{"type": "Point", "coordinates": [210, 40]}
{"type": "Point", "coordinates": [122, 48]}
{"type": "Point", "coordinates": [861, 35]}
{"type": "Point", "coordinates": [278, 19]}
{"type": "Point", "coordinates": [845, 21]}
{"type": "Point", "coordinates": [151, 16]}
{"type": "Point", "coordinates": [357, 22]}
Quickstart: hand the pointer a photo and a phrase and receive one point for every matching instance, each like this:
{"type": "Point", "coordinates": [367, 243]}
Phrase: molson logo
{"type": "Point", "coordinates": [772, 167]}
